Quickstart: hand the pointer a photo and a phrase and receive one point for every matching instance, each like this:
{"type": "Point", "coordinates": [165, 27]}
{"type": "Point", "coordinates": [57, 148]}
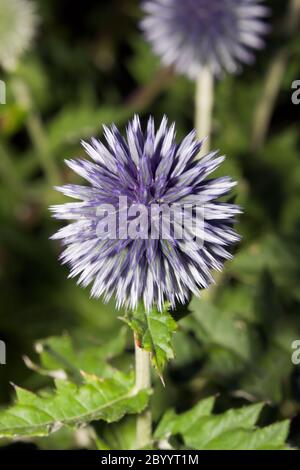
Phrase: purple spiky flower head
{"type": "Point", "coordinates": [192, 34]}
{"type": "Point", "coordinates": [148, 169]}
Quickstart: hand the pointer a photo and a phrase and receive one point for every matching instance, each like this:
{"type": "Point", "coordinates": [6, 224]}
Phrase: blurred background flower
{"type": "Point", "coordinates": [196, 33]}
{"type": "Point", "coordinates": [18, 22]}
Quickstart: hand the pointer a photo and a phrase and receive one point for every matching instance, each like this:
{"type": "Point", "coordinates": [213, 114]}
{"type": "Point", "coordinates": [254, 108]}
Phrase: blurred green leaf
{"type": "Point", "coordinates": [143, 64]}
{"type": "Point", "coordinates": [81, 122]}
{"type": "Point", "coordinates": [118, 436]}
{"type": "Point", "coordinates": [228, 341]}
{"type": "Point", "coordinates": [60, 353]}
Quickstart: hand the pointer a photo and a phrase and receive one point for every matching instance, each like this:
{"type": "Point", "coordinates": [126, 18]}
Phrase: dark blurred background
{"type": "Point", "coordinates": [89, 65]}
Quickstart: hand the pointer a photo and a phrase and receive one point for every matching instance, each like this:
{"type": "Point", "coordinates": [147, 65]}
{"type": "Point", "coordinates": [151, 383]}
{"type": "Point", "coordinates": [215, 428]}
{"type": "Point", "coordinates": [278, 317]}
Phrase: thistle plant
{"type": "Point", "coordinates": [147, 168]}
{"type": "Point", "coordinates": [203, 39]}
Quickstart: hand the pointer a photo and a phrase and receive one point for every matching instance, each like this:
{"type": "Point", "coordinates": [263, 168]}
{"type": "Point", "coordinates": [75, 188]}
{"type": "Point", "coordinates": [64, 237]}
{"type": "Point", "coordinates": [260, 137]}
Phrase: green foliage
{"type": "Point", "coordinates": [172, 424]}
{"type": "Point", "coordinates": [154, 333]}
{"type": "Point", "coordinates": [59, 354]}
{"type": "Point", "coordinates": [81, 122]}
{"type": "Point", "coordinates": [240, 344]}
{"type": "Point", "coordinates": [116, 436]}
{"type": "Point", "coordinates": [232, 430]}
{"type": "Point", "coordinates": [224, 337]}
{"type": "Point", "coordinates": [71, 405]}
{"type": "Point", "coordinates": [87, 388]}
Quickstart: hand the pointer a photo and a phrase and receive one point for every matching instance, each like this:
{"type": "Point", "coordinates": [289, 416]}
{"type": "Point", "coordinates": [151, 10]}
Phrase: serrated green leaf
{"type": "Point", "coordinates": [207, 428]}
{"type": "Point", "coordinates": [72, 405]}
{"type": "Point", "coordinates": [154, 332]}
{"type": "Point", "coordinates": [172, 423]}
{"type": "Point", "coordinates": [270, 437]}
{"type": "Point", "coordinates": [232, 430]}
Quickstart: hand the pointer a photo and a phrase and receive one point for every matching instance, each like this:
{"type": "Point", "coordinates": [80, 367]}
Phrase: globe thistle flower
{"type": "Point", "coordinates": [192, 34]}
{"type": "Point", "coordinates": [18, 21]}
{"type": "Point", "coordinates": [146, 168]}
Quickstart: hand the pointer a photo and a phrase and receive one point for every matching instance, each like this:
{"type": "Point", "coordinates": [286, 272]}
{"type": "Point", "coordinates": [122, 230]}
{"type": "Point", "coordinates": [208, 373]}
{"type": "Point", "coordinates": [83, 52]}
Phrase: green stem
{"type": "Point", "coordinates": [142, 382]}
{"type": "Point", "coordinates": [36, 132]}
{"type": "Point", "coordinates": [203, 122]}
{"type": "Point", "coordinates": [204, 107]}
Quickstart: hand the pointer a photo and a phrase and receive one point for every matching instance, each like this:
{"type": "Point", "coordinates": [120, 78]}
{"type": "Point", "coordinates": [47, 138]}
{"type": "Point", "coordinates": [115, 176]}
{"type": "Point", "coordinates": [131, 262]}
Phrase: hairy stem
{"type": "Point", "coordinates": [143, 381]}
{"type": "Point", "coordinates": [204, 107]}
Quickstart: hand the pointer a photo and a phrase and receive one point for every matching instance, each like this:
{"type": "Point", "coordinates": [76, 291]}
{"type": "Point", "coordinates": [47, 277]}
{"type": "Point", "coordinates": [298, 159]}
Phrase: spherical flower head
{"type": "Point", "coordinates": [150, 226]}
{"type": "Point", "coordinates": [193, 34]}
{"type": "Point", "coordinates": [18, 21]}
